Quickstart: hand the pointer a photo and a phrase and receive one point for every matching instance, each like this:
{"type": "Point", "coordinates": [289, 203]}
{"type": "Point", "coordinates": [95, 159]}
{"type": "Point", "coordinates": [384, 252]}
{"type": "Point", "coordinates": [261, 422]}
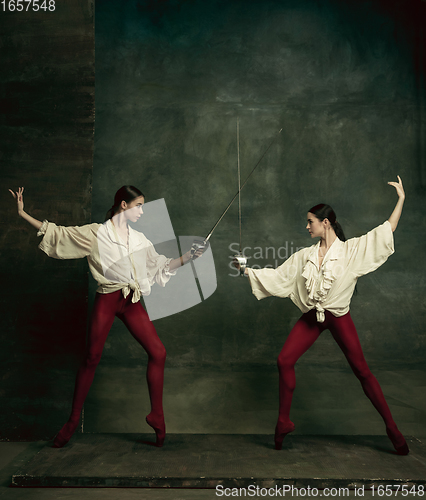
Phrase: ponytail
{"type": "Point", "coordinates": [110, 213]}
{"type": "Point", "coordinates": [339, 231]}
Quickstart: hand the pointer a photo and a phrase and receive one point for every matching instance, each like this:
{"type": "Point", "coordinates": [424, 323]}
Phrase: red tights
{"type": "Point", "coordinates": [304, 333]}
{"type": "Point", "coordinates": [133, 315]}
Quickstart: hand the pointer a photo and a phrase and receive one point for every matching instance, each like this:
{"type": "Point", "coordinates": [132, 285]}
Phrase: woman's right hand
{"type": "Point", "coordinates": [19, 199]}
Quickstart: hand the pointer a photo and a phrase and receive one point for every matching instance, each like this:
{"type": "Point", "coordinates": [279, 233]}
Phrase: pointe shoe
{"type": "Point", "coordinates": [398, 441]}
{"type": "Point", "coordinates": [65, 434]}
{"type": "Point", "coordinates": [159, 427]}
{"type": "Point", "coordinates": [281, 431]}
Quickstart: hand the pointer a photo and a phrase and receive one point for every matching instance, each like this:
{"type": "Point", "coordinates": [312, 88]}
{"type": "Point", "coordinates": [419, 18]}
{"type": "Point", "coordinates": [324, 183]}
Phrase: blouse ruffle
{"type": "Point", "coordinates": [166, 269]}
{"type": "Point", "coordinates": [318, 284]}
{"type": "Point", "coordinates": [43, 228]}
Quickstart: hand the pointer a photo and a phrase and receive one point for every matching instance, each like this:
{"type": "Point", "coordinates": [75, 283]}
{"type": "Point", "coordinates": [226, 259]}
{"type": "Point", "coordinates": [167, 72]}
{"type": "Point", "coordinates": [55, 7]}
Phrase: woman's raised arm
{"type": "Point", "coordinates": [396, 214]}
{"type": "Point", "coordinates": [20, 203]}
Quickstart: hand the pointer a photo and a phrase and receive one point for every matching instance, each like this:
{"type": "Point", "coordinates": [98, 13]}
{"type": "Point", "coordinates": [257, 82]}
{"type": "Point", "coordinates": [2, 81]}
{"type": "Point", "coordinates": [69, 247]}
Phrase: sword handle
{"type": "Point", "coordinates": [198, 245]}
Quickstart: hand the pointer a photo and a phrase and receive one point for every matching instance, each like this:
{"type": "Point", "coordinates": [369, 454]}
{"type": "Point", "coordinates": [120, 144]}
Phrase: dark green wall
{"type": "Point", "coordinates": [345, 81]}
{"type": "Point", "coordinates": [46, 145]}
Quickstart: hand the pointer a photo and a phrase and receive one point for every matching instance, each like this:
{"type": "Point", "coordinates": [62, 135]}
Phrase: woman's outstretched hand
{"type": "Point", "coordinates": [398, 186]}
{"type": "Point", "coordinates": [396, 214]}
{"type": "Point", "coordinates": [19, 199]}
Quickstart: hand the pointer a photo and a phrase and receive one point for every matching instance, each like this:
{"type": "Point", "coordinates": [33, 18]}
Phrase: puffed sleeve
{"type": "Point", "coordinates": [279, 282]}
{"type": "Point", "coordinates": [157, 266]}
{"type": "Point", "coordinates": [62, 242]}
{"type": "Point", "coordinates": [370, 251]}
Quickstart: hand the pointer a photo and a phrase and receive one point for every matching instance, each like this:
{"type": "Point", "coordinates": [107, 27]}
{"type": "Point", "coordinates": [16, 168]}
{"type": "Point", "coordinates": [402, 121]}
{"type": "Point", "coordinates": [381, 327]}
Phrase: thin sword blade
{"type": "Point", "coordinates": [244, 183]}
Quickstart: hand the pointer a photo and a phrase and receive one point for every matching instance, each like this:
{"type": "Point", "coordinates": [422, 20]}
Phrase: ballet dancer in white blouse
{"type": "Point", "coordinates": [320, 280]}
{"type": "Point", "coordinates": [125, 265]}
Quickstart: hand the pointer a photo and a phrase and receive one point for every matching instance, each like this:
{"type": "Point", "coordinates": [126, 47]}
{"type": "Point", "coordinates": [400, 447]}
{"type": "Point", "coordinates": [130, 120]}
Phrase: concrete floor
{"type": "Point", "coordinates": [405, 394]}
{"type": "Point", "coordinates": [14, 455]}
{"type": "Point", "coordinates": [339, 458]}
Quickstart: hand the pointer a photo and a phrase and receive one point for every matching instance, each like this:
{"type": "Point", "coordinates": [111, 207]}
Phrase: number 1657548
{"type": "Point", "coordinates": [27, 5]}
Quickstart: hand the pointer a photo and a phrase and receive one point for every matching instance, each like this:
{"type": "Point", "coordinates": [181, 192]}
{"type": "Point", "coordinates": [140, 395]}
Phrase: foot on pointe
{"type": "Point", "coordinates": [281, 431]}
{"type": "Point", "coordinates": [398, 440]}
{"type": "Point", "coordinates": [157, 423]}
{"type": "Point", "coordinates": [65, 434]}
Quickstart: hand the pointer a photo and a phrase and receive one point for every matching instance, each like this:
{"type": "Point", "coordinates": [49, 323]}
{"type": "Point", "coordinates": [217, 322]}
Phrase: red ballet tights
{"type": "Point", "coordinates": [304, 333]}
{"type": "Point", "coordinates": [133, 315]}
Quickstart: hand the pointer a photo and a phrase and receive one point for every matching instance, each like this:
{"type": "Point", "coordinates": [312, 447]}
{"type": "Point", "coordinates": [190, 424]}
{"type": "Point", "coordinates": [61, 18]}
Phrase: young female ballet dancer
{"type": "Point", "coordinates": [125, 265]}
{"type": "Point", "coordinates": [320, 280]}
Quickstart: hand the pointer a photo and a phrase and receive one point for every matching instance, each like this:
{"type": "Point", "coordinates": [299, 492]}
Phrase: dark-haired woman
{"type": "Point", "coordinates": [125, 265]}
{"type": "Point", "coordinates": [320, 280]}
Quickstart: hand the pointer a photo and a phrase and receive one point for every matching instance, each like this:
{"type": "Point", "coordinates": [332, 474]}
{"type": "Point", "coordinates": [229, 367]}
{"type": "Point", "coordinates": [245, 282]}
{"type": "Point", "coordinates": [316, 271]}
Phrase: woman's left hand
{"type": "Point", "coordinates": [398, 186]}
{"type": "Point", "coordinates": [19, 197]}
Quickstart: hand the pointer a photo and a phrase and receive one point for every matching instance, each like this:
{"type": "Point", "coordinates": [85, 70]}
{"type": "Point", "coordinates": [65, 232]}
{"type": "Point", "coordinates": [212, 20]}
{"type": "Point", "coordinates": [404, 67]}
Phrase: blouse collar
{"type": "Point", "coordinates": [333, 252]}
{"type": "Point", "coordinates": [113, 235]}
{"type": "Point", "coordinates": [135, 239]}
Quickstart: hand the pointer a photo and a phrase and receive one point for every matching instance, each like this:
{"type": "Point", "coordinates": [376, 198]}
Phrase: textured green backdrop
{"type": "Point", "coordinates": [47, 87]}
{"type": "Point", "coordinates": [343, 80]}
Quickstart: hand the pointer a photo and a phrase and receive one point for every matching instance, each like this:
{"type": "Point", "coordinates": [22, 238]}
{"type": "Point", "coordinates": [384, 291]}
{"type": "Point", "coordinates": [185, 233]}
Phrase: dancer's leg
{"type": "Point", "coordinates": [141, 327]}
{"type": "Point", "coordinates": [103, 314]}
{"type": "Point", "coordinates": [346, 336]}
{"type": "Point", "coordinates": [304, 333]}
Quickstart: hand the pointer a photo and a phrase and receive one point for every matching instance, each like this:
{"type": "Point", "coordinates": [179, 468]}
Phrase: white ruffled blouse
{"type": "Point", "coordinates": [329, 286]}
{"type": "Point", "coordinates": [113, 264]}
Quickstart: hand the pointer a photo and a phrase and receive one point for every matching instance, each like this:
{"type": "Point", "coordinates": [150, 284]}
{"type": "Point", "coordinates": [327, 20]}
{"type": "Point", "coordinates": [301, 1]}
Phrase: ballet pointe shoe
{"type": "Point", "coordinates": [157, 423]}
{"type": "Point", "coordinates": [398, 441]}
{"type": "Point", "coordinates": [65, 434]}
{"type": "Point", "coordinates": [281, 431]}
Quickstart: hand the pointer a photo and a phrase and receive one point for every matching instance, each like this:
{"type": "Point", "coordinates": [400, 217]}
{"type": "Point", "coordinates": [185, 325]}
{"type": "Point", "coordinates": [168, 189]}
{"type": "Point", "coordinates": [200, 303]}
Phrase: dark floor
{"type": "Point", "coordinates": [307, 458]}
{"type": "Point", "coordinates": [203, 461]}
